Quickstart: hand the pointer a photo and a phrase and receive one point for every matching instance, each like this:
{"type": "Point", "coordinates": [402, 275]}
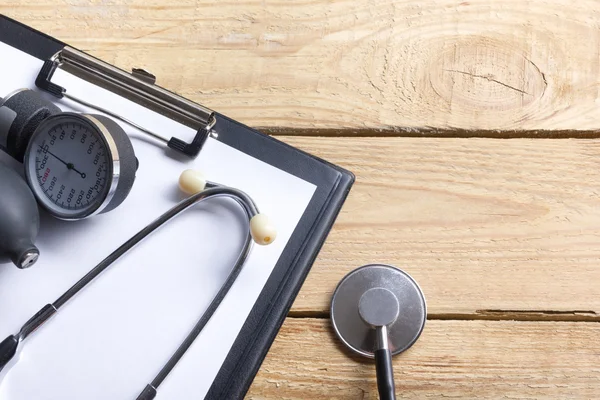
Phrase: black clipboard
{"type": "Point", "coordinates": [270, 310]}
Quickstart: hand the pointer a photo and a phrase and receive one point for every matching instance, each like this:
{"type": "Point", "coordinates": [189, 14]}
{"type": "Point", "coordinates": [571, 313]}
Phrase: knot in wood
{"type": "Point", "coordinates": [479, 74]}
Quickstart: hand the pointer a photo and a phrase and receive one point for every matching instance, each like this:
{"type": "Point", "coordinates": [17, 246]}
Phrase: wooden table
{"type": "Point", "coordinates": [419, 99]}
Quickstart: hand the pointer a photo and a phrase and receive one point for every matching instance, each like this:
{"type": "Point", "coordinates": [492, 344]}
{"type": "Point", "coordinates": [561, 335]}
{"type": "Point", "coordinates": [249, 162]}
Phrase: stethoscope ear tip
{"type": "Point", "coordinates": [192, 181]}
{"type": "Point", "coordinates": [263, 231]}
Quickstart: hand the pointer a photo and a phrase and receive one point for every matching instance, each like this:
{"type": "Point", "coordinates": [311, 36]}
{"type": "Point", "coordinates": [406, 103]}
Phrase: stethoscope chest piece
{"type": "Point", "coordinates": [378, 285]}
{"type": "Point", "coordinates": [379, 311]}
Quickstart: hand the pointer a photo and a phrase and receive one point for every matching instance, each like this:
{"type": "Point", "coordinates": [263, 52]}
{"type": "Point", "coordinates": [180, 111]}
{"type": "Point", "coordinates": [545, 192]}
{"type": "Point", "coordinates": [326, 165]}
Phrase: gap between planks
{"type": "Point", "coordinates": [433, 133]}
{"type": "Point", "coordinates": [487, 315]}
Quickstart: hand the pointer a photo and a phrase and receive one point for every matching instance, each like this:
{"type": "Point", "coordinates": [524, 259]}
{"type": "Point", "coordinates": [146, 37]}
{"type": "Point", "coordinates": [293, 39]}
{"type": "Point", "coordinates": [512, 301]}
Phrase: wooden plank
{"type": "Point", "coordinates": [452, 359]}
{"type": "Point", "coordinates": [489, 228]}
{"type": "Point", "coordinates": [355, 66]}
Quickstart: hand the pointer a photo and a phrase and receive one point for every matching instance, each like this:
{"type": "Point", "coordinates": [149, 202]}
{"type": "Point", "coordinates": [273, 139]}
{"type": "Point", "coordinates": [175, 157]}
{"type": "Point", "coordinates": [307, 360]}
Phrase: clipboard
{"type": "Point", "coordinates": [331, 187]}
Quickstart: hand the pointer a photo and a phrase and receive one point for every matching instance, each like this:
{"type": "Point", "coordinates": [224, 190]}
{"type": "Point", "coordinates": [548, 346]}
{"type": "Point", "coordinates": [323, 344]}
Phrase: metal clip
{"type": "Point", "coordinates": [138, 87]}
{"type": "Point", "coordinates": [144, 75]}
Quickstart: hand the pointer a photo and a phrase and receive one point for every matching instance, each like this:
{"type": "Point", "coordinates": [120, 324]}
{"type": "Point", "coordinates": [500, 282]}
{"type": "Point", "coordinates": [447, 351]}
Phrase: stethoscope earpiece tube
{"type": "Point", "coordinates": [261, 232]}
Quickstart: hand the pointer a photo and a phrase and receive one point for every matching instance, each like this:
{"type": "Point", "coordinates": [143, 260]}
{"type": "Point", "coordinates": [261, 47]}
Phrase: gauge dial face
{"type": "Point", "coordinates": [69, 166]}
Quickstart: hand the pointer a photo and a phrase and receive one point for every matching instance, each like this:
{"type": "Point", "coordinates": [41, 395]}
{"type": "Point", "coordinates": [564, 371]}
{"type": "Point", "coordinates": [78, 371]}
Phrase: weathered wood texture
{"type": "Point", "coordinates": [488, 227]}
{"type": "Point", "coordinates": [355, 66]}
{"type": "Point", "coordinates": [452, 359]}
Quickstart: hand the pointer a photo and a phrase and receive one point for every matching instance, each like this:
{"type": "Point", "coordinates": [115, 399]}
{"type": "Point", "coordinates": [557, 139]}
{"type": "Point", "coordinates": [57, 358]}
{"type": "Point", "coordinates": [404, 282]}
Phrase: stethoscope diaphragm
{"type": "Point", "coordinates": [357, 334]}
{"type": "Point", "coordinates": [379, 311]}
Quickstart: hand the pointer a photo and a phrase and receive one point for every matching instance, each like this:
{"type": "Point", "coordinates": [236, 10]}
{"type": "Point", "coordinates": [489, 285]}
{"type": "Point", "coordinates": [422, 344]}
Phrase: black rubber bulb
{"type": "Point", "coordinates": [19, 220]}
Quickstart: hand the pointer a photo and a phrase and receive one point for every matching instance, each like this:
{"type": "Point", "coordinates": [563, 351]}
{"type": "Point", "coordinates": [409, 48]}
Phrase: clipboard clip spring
{"type": "Point", "coordinates": [138, 87]}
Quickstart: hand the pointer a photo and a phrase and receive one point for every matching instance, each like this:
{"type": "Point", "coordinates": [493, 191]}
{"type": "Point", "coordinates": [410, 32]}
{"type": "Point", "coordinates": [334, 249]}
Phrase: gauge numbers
{"type": "Point", "coordinates": [71, 166]}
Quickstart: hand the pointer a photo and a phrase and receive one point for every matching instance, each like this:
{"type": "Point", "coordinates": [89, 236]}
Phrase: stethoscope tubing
{"type": "Point", "coordinates": [213, 190]}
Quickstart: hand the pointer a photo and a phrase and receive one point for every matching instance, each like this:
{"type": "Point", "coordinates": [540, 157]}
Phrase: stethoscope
{"type": "Point", "coordinates": [260, 231]}
{"type": "Point", "coordinates": [379, 311]}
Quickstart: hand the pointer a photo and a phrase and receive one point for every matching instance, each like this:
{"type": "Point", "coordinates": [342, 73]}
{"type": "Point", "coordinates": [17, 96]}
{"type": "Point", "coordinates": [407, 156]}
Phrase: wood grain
{"type": "Point", "coordinates": [367, 67]}
{"type": "Point", "coordinates": [452, 359]}
{"type": "Point", "coordinates": [489, 228]}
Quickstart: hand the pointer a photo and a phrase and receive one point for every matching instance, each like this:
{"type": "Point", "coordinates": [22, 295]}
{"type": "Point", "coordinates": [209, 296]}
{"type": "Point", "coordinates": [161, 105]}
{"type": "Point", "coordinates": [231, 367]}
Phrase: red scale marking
{"type": "Point", "coordinates": [46, 175]}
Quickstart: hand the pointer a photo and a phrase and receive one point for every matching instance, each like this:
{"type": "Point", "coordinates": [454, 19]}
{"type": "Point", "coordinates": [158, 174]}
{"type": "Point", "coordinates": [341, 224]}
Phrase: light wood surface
{"type": "Point", "coordinates": [502, 235]}
{"type": "Point", "coordinates": [452, 359]}
{"type": "Point", "coordinates": [354, 66]}
{"type": "Point", "coordinates": [490, 228]}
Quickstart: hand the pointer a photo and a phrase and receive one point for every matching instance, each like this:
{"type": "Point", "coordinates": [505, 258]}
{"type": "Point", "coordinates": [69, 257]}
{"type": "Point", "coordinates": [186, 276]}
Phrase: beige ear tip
{"type": "Point", "coordinates": [262, 230]}
{"type": "Point", "coordinates": [192, 181]}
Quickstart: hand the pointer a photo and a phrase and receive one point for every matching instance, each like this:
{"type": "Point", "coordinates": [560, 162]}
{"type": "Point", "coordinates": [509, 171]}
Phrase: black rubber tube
{"type": "Point", "coordinates": [385, 374]}
{"type": "Point", "coordinates": [8, 349]}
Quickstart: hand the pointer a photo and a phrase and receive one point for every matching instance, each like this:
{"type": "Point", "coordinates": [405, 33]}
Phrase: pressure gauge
{"type": "Point", "coordinates": [77, 165]}
{"type": "Point", "coordinates": [73, 165]}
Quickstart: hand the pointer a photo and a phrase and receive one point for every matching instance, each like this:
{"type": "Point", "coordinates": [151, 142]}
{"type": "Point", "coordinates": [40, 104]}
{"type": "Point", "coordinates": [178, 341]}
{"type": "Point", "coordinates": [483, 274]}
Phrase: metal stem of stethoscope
{"type": "Point", "coordinates": [8, 347]}
{"type": "Point", "coordinates": [378, 311]}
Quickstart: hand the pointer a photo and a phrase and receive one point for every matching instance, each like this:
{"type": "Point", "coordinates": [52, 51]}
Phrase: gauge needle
{"type": "Point", "coordinates": [70, 166]}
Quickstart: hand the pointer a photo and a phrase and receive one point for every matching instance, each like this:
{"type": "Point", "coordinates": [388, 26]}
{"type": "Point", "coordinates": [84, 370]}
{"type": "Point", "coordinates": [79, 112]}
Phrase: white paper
{"type": "Point", "coordinates": [112, 339]}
